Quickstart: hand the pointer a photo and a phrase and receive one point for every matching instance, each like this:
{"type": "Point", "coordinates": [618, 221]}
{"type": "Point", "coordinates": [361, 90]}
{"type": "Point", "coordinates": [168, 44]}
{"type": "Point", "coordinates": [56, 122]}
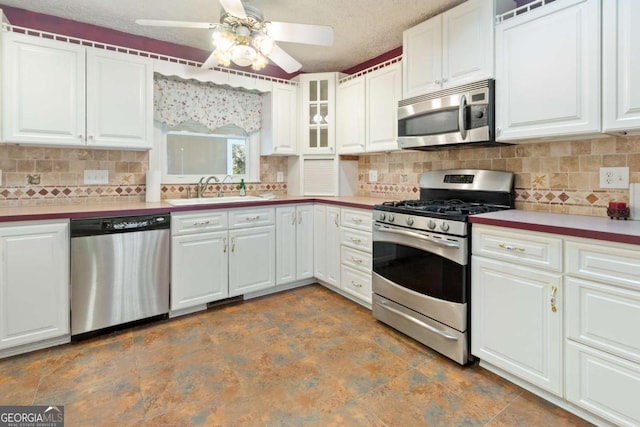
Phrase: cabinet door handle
{"type": "Point", "coordinates": [253, 218]}
{"type": "Point", "coordinates": [510, 248]}
{"type": "Point", "coordinates": [356, 220]}
{"type": "Point", "coordinates": [81, 137]}
{"type": "Point", "coordinates": [299, 217]}
{"type": "Point", "coordinates": [199, 223]}
{"type": "Point", "coordinates": [356, 284]}
{"type": "Point", "coordinates": [233, 244]}
{"type": "Point", "coordinates": [224, 245]}
{"type": "Point", "coordinates": [552, 300]}
{"type": "Point", "coordinates": [337, 220]}
{"type": "Point", "coordinates": [293, 219]}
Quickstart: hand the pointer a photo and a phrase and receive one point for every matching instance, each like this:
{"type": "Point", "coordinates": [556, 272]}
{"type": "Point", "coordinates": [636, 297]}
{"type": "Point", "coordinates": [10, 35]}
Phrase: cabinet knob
{"type": "Point", "coordinates": [437, 82]}
{"type": "Point", "coordinates": [444, 80]}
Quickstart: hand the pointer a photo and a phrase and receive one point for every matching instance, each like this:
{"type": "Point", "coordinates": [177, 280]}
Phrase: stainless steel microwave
{"type": "Point", "coordinates": [451, 118]}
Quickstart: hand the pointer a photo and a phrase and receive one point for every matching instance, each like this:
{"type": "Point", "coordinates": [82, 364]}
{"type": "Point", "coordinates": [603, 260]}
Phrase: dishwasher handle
{"type": "Point", "coordinates": [120, 224]}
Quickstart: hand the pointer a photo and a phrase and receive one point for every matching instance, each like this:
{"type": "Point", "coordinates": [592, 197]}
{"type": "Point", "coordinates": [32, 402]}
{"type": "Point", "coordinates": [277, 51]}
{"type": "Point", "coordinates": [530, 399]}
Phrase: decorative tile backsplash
{"type": "Point", "coordinates": [559, 176]}
{"type": "Point", "coordinates": [42, 175]}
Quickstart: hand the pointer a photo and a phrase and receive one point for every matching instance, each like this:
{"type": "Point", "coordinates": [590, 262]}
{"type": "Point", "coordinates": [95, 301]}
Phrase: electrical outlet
{"type": "Point", "coordinates": [99, 176]}
{"type": "Point", "coordinates": [279, 176]}
{"type": "Point", "coordinates": [373, 175]}
{"type": "Point", "coordinates": [614, 177]}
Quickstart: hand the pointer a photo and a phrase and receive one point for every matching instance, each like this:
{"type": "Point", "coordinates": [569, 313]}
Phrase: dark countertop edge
{"type": "Point", "coordinates": [554, 229]}
{"type": "Point", "coordinates": [98, 212]}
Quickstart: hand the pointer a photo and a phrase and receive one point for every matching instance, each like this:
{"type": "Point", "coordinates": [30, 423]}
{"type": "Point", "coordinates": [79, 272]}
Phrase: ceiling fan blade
{"type": "Point", "coordinates": [234, 7]}
{"type": "Point", "coordinates": [181, 24]}
{"type": "Point", "coordinates": [210, 62]}
{"type": "Point", "coordinates": [283, 60]}
{"type": "Point", "coordinates": [301, 33]}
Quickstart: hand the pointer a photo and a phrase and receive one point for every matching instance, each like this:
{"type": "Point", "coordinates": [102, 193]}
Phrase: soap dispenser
{"type": "Point", "coordinates": [243, 190]}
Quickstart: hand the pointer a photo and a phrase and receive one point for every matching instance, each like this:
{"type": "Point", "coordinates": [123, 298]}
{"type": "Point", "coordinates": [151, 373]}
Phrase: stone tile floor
{"type": "Point", "coordinates": [305, 357]}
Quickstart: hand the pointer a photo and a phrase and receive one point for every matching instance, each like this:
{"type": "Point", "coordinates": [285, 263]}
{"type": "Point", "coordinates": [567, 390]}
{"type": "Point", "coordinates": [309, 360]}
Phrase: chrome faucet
{"type": "Point", "coordinates": [220, 192]}
{"type": "Point", "coordinates": [202, 184]}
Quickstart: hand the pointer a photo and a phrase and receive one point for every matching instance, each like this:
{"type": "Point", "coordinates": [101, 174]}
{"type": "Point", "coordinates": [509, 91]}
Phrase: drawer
{"type": "Point", "coordinates": [603, 384]}
{"type": "Point", "coordinates": [243, 218]}
{"type": "Point", "coordinates": [356, 259]}
{"type": "Point", "coordinates": [617, 264]}
{"type": "Point", "coordinates": [603, 316]}
{"type": "Point", "coordinates": [357, 239]}
{"type": "Point", "coordinates": [533, 249]}
{"type": "Point", "coordinates": [199, 222]}
{"type": "Point", "coordinates": [356, 283]}
{"type": "Point", "coordinates": [356, 218]}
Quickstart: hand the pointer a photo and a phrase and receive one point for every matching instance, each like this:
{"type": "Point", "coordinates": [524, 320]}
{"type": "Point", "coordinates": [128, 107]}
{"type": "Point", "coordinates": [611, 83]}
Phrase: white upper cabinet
{"type": "Point", "coordinates": [57, 93]}
{"type": "Point", "coordinates": [453, 48]}
{"type": "Point", "coordinates": [43, 91]}
{"type": "Point", "coordinates": [367, 111]}
{"type": "Point", "coordinates": [620, 65]}
{"type": "Point", "coordinates": [318, 113]}
{"type": "Point", "coordinates": [351, 126]}
{"type": "Point", "coordinates": [384, 87]}
{"type": "Point", "coordinates": [548, 72]}
{"type": "Point", "coordinates": [280, 116]}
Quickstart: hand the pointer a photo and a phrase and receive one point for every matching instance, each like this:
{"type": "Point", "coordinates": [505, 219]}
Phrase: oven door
{"type": "Point", "coordinates": [429, 264]}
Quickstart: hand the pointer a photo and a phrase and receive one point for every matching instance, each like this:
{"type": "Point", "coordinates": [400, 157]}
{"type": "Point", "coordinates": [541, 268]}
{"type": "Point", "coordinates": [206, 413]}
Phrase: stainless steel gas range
{"type": "Point", "coordinates": [421, 256]}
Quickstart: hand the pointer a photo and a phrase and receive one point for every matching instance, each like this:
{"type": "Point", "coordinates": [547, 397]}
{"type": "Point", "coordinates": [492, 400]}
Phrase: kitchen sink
{"type": "Point", "coordinates": [213, 200]}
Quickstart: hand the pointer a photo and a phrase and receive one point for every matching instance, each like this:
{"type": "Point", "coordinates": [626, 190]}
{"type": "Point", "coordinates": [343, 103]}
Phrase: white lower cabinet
{"type": "Point", "coordinates": [326, 244]}
{"type": "Point", "coordinates": [356, 260]}
{"type": "Point", "coordinates": [34, 284]}
{"type": "Point", "coordinates": [514, 324]}
{"type": "Point", "coordinates": [526, 284]}
{"type": "Point", "coordinates": [602, 340]}
{"type": "Point", "coordinates": [294, 243]}
{"type": "Point", "coordinates": [218, 254]}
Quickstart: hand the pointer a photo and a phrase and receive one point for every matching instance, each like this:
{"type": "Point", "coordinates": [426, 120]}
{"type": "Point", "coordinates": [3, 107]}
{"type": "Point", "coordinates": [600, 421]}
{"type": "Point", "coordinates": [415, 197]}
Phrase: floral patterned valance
{"type": "Point", "coordinates": [176, 101]}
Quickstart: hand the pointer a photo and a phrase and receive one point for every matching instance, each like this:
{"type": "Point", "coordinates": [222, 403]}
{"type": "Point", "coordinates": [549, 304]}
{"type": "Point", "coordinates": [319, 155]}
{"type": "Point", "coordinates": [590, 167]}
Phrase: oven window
{"type": "Point", "coordinates": [420, 271]}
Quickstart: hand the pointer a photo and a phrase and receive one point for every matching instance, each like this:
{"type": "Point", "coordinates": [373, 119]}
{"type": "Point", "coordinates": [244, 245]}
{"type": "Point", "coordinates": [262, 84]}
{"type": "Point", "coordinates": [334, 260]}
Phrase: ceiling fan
{"type": "Point", "coordinates": [244, 37]}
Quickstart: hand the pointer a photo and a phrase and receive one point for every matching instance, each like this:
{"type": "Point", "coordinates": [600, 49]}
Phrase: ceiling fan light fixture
{"type": "Point", "coordinates": [223, 57]}
{"type": "Point", "coordinates": [243, 55]}
{"type": "Point", "coordinates": [259, 62]}
{"type": "Point", "coordinates": [222, 38]}
{"type": "Point", "coordinates": [263, 43]}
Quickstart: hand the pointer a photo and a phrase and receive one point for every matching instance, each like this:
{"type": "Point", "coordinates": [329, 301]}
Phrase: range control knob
{"type": "Point", "coordinates": [382, 216]}
{"type": "Point", "coordinates": [391, 217]}
{"type": "Point", "coordinates": [431, 224]}
{"type": "Point", "coordinates": [444, 226]}
{"type": "Point", "coordinates": [409, 221]}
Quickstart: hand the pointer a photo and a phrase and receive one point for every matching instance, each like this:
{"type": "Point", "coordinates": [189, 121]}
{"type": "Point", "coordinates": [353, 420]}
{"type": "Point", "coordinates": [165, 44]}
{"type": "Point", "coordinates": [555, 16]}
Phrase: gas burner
{"type": "Point", "coordinates": [454, 209]}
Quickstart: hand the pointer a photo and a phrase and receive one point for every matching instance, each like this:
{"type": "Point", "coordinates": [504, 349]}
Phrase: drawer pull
{"type": "Point", "coordinates": [554, 291]}
{"type": "Point", "coordinates": [510, 248]}
{"type": "Point", "coordinates": [252, 218]}
{"type": "Point", "coordinates": [356, 284]}
{"type": "Point", "coordinates": [356, 220]}
{"type": "Point", "coordinates": [356, 240]}
{"type": "Point", "coordinates": [199, 223]}
{"type": "Point", "coordinates": [356, 260]}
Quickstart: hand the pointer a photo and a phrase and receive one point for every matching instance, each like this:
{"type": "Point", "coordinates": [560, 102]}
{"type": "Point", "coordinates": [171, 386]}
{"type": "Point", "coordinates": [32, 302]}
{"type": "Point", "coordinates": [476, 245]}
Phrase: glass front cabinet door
{"type": "Point", "coordinates": [318, 103]}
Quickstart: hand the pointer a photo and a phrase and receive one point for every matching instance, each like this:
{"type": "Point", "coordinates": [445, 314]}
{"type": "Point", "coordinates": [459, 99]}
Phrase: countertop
{"type": "Point", "coordinates": [601, 228]}
{"type": "Point", "coordinates": [33, 213]}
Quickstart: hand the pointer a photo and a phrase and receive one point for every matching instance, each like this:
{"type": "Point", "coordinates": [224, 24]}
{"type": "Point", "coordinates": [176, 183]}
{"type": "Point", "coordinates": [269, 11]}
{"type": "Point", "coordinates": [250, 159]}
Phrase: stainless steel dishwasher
{"type": "Point", "coordinates": [119, 270]}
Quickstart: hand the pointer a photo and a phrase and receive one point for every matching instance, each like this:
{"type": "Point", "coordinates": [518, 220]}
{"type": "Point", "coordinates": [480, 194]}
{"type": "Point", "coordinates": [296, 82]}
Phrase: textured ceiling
{"type": "Point", "coordinates": [364, 29]}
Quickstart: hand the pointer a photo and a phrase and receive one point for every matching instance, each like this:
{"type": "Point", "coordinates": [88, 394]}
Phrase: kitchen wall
{"type": "Point", "coordinates": [43, 175]}
{"type": "Point", "coordinates": [550, 176]}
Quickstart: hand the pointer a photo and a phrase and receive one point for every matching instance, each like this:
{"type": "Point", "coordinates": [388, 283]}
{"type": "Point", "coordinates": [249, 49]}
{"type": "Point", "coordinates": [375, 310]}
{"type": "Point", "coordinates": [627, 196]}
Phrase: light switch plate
{"type": "Point", "coordinates": [279, 176]}
{"type": "Point", "coordinates": [96, 176]}
{"type": "Point", "coordinates": [614, 177]}
{"type": "Point", "coordinates": [373, 175]}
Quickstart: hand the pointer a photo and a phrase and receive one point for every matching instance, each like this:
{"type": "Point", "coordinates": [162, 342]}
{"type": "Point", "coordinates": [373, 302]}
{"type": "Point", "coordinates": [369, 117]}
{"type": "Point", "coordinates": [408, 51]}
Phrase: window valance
{"type": "Point", "coordinates": [176, 101]}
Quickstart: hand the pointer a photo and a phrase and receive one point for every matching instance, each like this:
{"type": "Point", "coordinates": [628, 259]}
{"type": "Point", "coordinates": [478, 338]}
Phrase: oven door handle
{"type": "Point", "coordinates": [418, 236]}
{"type": "Point", "coordinates": [418, 322]}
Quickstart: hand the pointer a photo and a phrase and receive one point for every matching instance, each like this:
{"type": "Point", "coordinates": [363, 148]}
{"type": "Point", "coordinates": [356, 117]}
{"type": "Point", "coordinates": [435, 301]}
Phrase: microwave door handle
{"type": "Point", "coordinates": [461, 111]}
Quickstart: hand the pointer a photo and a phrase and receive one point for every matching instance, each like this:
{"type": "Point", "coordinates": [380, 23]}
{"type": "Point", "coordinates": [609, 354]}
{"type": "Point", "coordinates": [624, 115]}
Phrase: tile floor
{"type": "Point", "coordinates": [306, 357]}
